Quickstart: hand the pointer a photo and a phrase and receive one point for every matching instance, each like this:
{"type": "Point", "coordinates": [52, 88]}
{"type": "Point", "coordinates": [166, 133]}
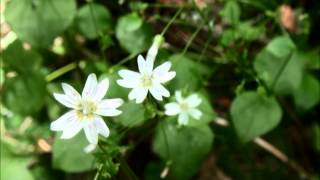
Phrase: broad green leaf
{"type": "Point", "coordinates": [93, 19]}
{"type": "Point", "coordinates": [254, 115]}
{"type": "Point", "coordinates": [16, 58]}
{"type": "Point", "coordinates": [39, 22]}
{"type": "Point", "coordinates": [14, 167]}
{"type": "Point", "coordinates": [308, 93]}
{"type": "Point", "coordinates": [25, 94]}
{"type": "Point", "coordinates": [231, 13]}
{"type": "Point", "coordinates": [312, 59]}
{"type": "Point", "coordinates": [69, 155]}
{"type": "Point", "coordinates": [248, 32]}
{"type": "Point", "coordinates": [189, 74]}
{"type": "Point", "coordinates": [153, 171]}
{"type": "Point", "coordinates": [281, 47]}
{"type": "Point", "coordinates": [184, 147]}
{"type": "Point", "coordinates": [133, 34]}
{"type": "Point", "coordinates": [282, 74]}
{"type": "Point", "coordinates": [132, 114]}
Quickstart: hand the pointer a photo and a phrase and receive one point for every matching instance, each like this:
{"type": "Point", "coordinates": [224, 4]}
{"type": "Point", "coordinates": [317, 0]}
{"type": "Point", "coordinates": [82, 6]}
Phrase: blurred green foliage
{"type": "Point", "coordinates": [248, 67]}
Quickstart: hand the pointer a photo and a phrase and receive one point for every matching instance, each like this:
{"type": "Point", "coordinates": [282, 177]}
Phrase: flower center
{"type": "Point", "coordinates": [86, 109]}
{"type": "Point", "coordinates": [146, 81]}
{"type": "Point", "coordinates": [184, 106]}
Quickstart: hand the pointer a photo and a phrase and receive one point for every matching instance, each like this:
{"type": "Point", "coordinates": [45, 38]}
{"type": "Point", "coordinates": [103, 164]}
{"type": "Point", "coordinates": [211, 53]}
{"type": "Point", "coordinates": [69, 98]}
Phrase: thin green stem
{"type": "Point", "coordinates": [166, 142]}
{"type": "Point", "coordinates": [124, 60]}
{"type": "Point", "coordinates": [192, 38]}
{"type": "Point", "coordinates": [171, 21]}
{"type": "Point", "coordinates": [274, 82]}
{"type": "Point", "coordinates": [127, 169]}
{"type": "Point", "coordinates": [205, 47]}
{"type": "Point", "coordinates": [96, 177]}
{"type": "Point", "coordinates": [59, 72]}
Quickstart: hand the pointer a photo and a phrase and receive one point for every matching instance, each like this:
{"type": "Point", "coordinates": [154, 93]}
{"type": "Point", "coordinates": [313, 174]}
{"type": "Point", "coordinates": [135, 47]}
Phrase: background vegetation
{"type": "Point", "coordinates": [255, 64]}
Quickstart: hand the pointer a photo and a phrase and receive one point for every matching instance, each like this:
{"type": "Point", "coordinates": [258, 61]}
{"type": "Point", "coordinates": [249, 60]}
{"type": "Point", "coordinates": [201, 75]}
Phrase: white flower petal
{"type": "Point", "coordinates": [91, 133]}
{"type": "Point", "coordinates": [130, 79]}
{"type": "Point", "coordinates": [102, 89]}
{"type": "Point", "coordinates": [71, 92]}
{"type": "Point", "coordinates": [162, 74]}
{"type": "Point", "coordinates": [163, 68]}
{"type": "Point", "coordinates": [158, 91]}
{"type": "Point", "coordinates": [108, 112]}
{"type": "Point", "coordinates": [172, 109]}
{"type": "Point", "coordinates": [60, 123]}
{"type": "Point", "coordinates": [183, 119]}
{"type": "Point", "coordinates": [89, 89]}
{"type": "Point", "coordinates": [195, 113]}
{"type": "Point", "coordinates": [178, 96]}
{"type": "Point", "coordinates": [89, 148]}
{"type": "Point", "coordinates": [101, 126]}
{"type": "Point", "coordinates": [72, 128]}
{"type": "Point", "coordinates": [139, 94]}
{"type": "Point", "coordinates": [152, 52]}
{"type": "Point", "coordinates": [194, 100]}
{"type": "Point", "coordinates": [145, 67]}
{"type": "Point", "coordinates": [127, 74]}
{"type": "Point", "coordinates": [65, 100]}
{"type": "Point", "coordinates": [165, 77]}
{"type": "Point", "coordinates": [110, 103]}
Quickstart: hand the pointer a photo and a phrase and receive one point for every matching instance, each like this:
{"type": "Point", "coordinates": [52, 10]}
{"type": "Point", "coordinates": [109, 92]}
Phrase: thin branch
{"type": "Point", "coordinates": [272, 150]}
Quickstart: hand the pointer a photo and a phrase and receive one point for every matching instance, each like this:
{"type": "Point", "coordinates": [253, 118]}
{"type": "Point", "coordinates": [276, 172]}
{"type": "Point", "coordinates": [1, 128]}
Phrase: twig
{"type": "Point", "coordinates": [272, 150]}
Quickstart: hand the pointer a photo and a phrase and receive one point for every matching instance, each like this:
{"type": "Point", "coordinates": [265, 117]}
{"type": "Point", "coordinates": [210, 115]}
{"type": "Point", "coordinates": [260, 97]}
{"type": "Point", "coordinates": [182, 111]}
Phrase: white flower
{"type": "Point", "coordinates": [87, 110]}
{"type": "Point", "coordinates": [185, 107]}
{"type": "Point", "coordinates": [148, 79]}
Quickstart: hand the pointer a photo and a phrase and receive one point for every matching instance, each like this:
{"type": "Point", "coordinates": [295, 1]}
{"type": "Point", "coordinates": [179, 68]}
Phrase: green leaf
{"type": "Point", "coordinates": [133, 34]}
{"type": "Point", "coordinates": [281, 47]}
{"type": "Point", "coordinates": [254, 115]}
{"type": "Point", "coordinates": [21, 60]}
{"type": "Point", "coordinates": [231, 13]}
{"type": "Point", "coordinates": [69, 155]}
{"type": "Point", "coordinates": [283, 73]}
{"type": "Point", "coordinates": [228, 37]}
{"type": "Point", "coordinates": [312, 59]}
{"type": "Point", "coordinates": [189, 74]}
{"type": "Point", "coordinates": [250, 33]}
{"type": "Point", "coordinates": [25, 94]}
{"type": "Point", "coordinates": [308, 93]}
{"type": "Point", "coordinates": [14, 167]}
{"type": "Point", "coordinates": [184, 147]}
{"type": "Point", "coordinates": [38, 22]}
{"type": "Point", "coordinates": [133, 114]}
{"type": "Point", "coordinates": [93, 20]}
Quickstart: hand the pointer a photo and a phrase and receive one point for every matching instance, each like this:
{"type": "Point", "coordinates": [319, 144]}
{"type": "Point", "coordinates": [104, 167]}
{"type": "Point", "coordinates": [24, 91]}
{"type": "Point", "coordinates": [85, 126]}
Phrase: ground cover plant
{"type": "Point", "coordinates": [161, 89]}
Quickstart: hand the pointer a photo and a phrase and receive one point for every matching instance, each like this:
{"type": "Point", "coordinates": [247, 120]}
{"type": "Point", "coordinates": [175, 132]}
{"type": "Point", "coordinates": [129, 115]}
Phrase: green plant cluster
{"type": "Point", "coordinates": [248, 67]}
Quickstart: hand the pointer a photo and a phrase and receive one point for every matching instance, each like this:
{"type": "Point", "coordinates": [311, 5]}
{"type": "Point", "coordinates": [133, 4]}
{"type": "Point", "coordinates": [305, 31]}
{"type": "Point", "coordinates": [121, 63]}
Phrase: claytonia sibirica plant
{"type": "Point", "coordinates": [185, 107]}
{"type": "Point", "coordinates": [147, 79]}
{"type": "Point", "coordinates": [87, 110]}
